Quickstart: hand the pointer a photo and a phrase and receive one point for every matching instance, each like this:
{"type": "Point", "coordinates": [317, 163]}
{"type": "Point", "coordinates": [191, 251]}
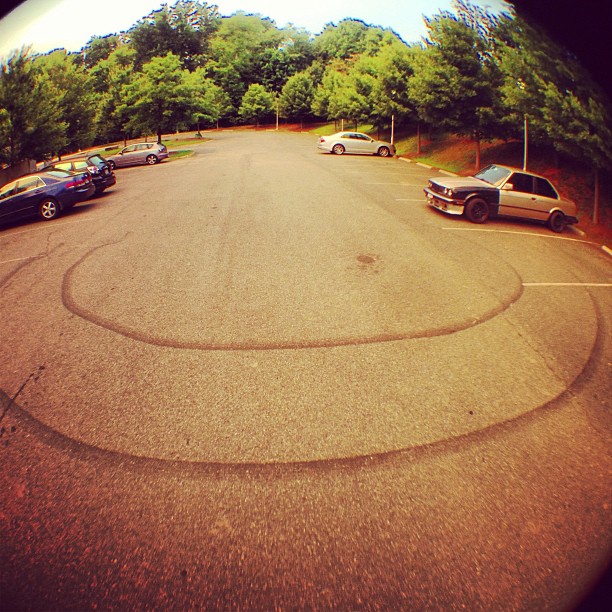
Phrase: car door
{"type": "Point", "coordinates": [363, 144]}
{"type": "Point", "coordinates": [142, 150]}
{"type": "Point", "coordinates": [126, 156]}
{"type": "Point", "coordinates": [28, 192]}
{"type": "Point", "coordinates": [7, 202]}
{"type": "Point", "coordinates": [518, 197]}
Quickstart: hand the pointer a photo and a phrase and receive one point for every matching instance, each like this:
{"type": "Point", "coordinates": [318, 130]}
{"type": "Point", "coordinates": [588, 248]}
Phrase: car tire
{"type": "Point", "coordinates": [338, 149]}
{"type": "Point", "coordinates": [477, 210]}
{"type": "Point", "coordinates": [384, 152]}
{"type": "Point", "coordinates": [48, 209]}
{"type": "Point", "coordinates": [557, 222]}
{"type": "Point", "coordinates": [151, 160]}
{"type": "Point", "coordinates": [112, 164]}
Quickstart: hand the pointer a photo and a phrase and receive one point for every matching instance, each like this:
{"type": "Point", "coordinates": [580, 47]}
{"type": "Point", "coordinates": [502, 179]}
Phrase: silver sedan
{"type": "Point", "coordinates": [355, 142]}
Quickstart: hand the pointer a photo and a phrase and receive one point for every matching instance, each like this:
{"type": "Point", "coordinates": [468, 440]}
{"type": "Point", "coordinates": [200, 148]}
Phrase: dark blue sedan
{"type": "Point", "coordinates": [45, 193]}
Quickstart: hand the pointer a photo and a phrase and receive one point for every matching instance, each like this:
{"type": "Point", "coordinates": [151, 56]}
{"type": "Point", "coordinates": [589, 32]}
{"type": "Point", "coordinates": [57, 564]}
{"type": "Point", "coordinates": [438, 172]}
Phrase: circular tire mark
{"type": "Point", "coordinates": [444, 330]}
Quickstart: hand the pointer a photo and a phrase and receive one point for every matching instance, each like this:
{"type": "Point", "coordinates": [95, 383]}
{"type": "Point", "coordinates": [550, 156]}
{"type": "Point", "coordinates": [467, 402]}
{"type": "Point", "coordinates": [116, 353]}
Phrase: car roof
{"type": "Point", "coordinates": [514, 169]}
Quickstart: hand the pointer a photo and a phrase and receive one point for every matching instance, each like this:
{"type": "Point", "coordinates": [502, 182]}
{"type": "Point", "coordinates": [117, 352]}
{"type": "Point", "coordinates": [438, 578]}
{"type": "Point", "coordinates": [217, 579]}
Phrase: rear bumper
{"type": "Point", "coordinates": [103, 182]}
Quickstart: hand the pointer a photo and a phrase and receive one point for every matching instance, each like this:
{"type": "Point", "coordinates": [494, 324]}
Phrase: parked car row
{"type": "Point", "coordinates": [495, 191]}
{"type": "Point", "coordinates": [60, 185]}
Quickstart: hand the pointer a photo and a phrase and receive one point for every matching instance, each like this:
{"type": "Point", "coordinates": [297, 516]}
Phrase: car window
{"type": "Point", "coordinates": [493, 174]}
{"type": "Point", "coordinates": [362, 137]}
{"type": "Point", "coordinates": [7, 190]}
{"type": "Point", "coordinates": [522, 182]}
{"type": "Point", "coordinates": [544, 188]}
{"type": "Point", "coordinates": [129, 149]}
{"type": "Point", "coordinates": [63, 166]}
{"type": "Point", "coordinates": [80, 165]}
{"type": "Point", "coordinates": [31, 182]}
{"type": "Point", "coordinates": [96, 159]}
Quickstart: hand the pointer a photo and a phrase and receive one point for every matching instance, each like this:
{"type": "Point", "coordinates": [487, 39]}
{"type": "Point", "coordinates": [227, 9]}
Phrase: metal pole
{"type": "Point", "coordinates": [392, 129]}
{"type": "Point", "coordinates": [525, 145]}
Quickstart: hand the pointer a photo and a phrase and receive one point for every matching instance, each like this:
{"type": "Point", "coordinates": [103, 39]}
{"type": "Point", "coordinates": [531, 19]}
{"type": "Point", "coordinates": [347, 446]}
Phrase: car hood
{"type": "Point", "coordinates": [454, 182]}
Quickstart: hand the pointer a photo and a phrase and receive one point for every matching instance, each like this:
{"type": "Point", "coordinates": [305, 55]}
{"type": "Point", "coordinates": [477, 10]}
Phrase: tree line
{"type": "Point", "coordinates": [186, 67]}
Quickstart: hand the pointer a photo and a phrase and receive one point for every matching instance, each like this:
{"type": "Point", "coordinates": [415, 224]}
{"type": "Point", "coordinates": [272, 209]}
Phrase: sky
{"type": "Point", "coordinates": [50, 24]}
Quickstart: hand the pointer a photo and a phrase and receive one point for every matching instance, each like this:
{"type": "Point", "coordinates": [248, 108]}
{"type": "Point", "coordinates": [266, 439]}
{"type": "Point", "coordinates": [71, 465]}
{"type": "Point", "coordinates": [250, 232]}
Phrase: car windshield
{"type": "Point", "coordinates": [493, 174]}
{"type": "Point", "coordinates": [96, 159]}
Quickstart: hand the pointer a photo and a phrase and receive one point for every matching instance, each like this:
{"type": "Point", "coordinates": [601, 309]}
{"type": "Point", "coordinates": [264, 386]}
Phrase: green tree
{"type": "Point", "coordinates": [111, 78]}
{"type": "Point", "coordinates": [296, 98]}
{"type": "Point", "coordinates": [78, 102]}
{"type": "Point", "coordinates": [209, 101]}
{"type": "Point", "coordinates": [159, 99]}
{"type": "Point", "coordinates": [586, 132]}
{"type": "Point", "coordinates": [348, 39]}
{"type": "Point", "coordinates": [183, 29]}
{"type": "Point", "coordinates": [97, 49]}
{"type": "Point", "coordinates": [257, 104]}
{"type": "Point", "coordinates": [455, 83]}
{"type": "Point", "coordinates": [31, 124]}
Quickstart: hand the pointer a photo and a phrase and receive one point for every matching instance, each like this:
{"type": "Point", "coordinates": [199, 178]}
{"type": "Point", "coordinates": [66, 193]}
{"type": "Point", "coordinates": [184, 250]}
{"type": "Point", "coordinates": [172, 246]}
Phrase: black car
{"type": "Point", "coordinates": [100, 169]}
{"type": "Point", "coordinates": [44, 193]}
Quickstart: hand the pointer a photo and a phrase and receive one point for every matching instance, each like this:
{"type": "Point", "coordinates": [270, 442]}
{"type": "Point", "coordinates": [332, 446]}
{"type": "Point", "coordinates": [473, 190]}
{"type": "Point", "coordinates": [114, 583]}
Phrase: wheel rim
{"type": "Point", "coordinates": [556, 222]}
{"type": "Point", "coordinates": [384, 152]}
{"type": "Point", "coordinates": [151, 159]}
{"type": "Point", "coordinates": [48, 209]}
{"type": "Point", "coordinates": [338, 149]}
{"type": "Point", "coordinates": [479, 212]}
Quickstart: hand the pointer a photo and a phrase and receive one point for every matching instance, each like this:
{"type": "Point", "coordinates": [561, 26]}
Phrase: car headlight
{"type": "Point", "coordinates": [449, 192]}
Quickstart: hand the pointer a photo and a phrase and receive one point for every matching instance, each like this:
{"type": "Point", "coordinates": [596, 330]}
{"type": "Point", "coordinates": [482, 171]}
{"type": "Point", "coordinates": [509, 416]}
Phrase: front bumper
{"type": "Point", "coordinates": [447, 205]}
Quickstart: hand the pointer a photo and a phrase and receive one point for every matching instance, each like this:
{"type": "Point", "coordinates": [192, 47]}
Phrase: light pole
{"type": "Point", "coordinates": [525, 141]}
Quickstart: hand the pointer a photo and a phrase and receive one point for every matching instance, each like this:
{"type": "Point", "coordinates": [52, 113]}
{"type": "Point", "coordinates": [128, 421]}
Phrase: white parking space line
{"type": "Point", "coordinates": [567, 284]}
{"type": "Point", "coordinates": [402, 184]}
{"type": "Point", "coordinates": [530, 234]}
{"type": "Point", "coordinates": [53, 225]}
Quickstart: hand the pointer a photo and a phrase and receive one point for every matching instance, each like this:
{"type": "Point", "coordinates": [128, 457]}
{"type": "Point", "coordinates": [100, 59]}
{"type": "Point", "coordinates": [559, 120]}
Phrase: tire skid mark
{"type": "Point", "coordinates": [144, 464]}
{"type": "Point", "coordinates": [74, 307]}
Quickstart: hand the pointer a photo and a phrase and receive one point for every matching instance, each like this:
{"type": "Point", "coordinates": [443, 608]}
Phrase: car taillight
{"type": "Point", "coordinates": [77, 182]}
{"type": "Point", "coordinates": [93, 169]}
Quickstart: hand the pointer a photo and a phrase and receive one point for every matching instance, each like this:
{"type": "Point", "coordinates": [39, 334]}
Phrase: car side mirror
{"type": "Point", "coordinates": [508, 187]}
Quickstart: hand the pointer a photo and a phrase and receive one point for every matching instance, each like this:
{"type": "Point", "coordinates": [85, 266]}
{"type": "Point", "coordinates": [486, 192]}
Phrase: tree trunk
{"type": "Point", "coordinates": [418, 138]}
{"type": "Point", "coordinates": [477, 138]}
{"type": "Point", "coordinates": [596, 198]}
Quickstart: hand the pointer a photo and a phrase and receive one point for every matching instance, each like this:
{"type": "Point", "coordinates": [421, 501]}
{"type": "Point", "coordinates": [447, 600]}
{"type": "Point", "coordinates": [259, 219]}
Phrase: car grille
{"type": "Point", "coordinates": [436, 188]}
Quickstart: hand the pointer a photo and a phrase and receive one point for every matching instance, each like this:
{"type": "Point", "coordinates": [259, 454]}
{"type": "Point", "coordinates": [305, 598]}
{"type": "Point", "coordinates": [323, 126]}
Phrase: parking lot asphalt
{"type": "Point", "coordinates": [266, 377]}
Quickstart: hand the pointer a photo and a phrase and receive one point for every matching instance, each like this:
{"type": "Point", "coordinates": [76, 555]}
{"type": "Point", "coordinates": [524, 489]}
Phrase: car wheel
{"type": "Point", "coordinates": [48, 209]}
{"type": "Point", "coordinates": [477, 210]}
{"type": "Point", "coordinates": [151, 159]}
{"type": "Point", "coordinates": [384, 152]}
{"type": "Point", "coordinates": [112, 164]}
{"type": "Point", "coordinates": [557, 221]}
{"type": "Point", "coordinates": [338, 149]}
